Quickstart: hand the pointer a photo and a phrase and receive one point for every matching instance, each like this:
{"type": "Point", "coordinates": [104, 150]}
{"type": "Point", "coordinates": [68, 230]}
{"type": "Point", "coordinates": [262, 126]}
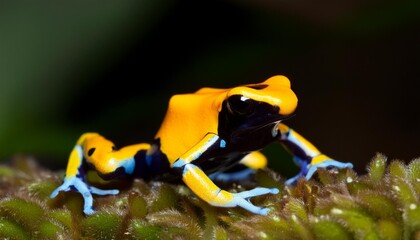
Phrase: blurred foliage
{"type": "Point", "coordinates": [381, 204]}
{"type": "Point", "coordinates": [67, 68]}
{"type": "Point", "coordinates": [44, 47]}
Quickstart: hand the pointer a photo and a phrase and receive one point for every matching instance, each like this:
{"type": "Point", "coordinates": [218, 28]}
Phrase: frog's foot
{"type": "Point", "coordinates": [242, 199]}
{"type": "Point", "coordinates": [85, 190]}
{"type": "Point", "coordinates": [326, 164]}
{"type": "Point", "coordinates": [308, 170]}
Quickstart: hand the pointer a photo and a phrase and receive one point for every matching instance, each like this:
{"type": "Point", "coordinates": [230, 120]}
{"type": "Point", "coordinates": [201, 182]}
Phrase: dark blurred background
{"type": "Point", "coordinates": [111, 66]}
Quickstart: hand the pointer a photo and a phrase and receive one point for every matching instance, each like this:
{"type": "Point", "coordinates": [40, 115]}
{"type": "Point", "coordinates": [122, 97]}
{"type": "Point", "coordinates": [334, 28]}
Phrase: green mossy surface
{"type": "Point", "coordinates": [381, 204]}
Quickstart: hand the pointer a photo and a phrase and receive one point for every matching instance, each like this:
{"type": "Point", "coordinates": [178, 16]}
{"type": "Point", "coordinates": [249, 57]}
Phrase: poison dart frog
{"type": "Point", "coordinates": [203, 136]}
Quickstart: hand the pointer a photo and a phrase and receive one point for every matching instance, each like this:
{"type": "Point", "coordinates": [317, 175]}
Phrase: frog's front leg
{"type": "Point", "coordinates": [204, 187]}
{"type": "Point", "coordinates": [306, 155]}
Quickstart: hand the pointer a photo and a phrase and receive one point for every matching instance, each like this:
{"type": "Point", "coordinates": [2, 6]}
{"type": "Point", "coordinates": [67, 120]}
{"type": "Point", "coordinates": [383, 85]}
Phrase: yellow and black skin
{"type": "Point", "coordinates": [202, 137]}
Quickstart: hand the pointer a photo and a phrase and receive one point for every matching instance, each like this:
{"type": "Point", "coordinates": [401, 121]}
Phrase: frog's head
{"type": "Point", "coordinates": [256, 109]}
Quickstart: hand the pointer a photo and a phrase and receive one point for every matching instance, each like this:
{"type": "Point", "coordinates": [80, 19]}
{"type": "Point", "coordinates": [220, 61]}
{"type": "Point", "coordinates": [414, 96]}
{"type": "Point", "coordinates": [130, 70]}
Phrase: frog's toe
{"type": "Point", "coordinates": [348, 165]}
{"type": "Point", "coordinates": [242, 199]}
{"type": "Point", "coordinates": [55, 193]}
{"type": "Point", "coordinates": [88, 210]}
{"type": "Point", "coordinates": [264, 211]}
{"type": "Point", "coordinates": [257, 192]}
{"type": "Point", "coordinates": [337, 164]}
{"type": "Point", "coordinates": [246, 204]}
{"type": "Point", "coordinates": [98, 191]}
{"type": "Point", "coordinates": [65, 187]}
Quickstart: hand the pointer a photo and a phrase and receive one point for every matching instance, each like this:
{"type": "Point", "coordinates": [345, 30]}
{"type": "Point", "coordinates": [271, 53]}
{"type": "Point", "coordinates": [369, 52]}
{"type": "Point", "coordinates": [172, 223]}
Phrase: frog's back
{"type": "Point", "coordinates": [188, 119]}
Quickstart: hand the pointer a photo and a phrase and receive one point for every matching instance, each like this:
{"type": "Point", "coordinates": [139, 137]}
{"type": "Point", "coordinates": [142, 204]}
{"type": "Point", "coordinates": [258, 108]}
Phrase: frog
{"type": "Point", "coordinates": [207, 137]}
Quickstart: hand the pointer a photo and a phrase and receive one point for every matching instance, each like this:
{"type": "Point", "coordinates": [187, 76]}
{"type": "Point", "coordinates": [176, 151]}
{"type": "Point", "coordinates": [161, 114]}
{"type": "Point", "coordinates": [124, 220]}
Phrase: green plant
{"type": "Point", "coordinates": [381, 204]}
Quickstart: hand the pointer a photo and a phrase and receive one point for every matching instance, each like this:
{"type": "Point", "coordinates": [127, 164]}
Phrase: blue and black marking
{"type": "Point", "coordinates": [154, 166]}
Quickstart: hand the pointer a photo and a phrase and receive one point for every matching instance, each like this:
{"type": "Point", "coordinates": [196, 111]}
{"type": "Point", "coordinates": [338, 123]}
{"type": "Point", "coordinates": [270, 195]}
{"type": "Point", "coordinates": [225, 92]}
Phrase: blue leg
{"type": "Point", "coordinates": [98, 191]}
{"type": "Point", "coordinates": [303, 164]}
{"type": "Point", "coordinates": [233, 176]}
{"type": "Point", "coordinates": [307, 170]}
{"type": "Point", "coordinates": [326, 164]}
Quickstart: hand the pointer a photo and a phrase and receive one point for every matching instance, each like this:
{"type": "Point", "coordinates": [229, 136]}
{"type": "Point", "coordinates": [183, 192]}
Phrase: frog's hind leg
{"type": "Point", "coordinates": [248, 166]}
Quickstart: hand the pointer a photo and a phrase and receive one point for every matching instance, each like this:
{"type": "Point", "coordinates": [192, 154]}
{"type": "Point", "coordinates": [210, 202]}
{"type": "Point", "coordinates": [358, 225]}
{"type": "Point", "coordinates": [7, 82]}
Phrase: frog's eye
{"type": "Point", "coordinates": [240, 105]}
{"type": "Point", "coordinates": [91, 151]}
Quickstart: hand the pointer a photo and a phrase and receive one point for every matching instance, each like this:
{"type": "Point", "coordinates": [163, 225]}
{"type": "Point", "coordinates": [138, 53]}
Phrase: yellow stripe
{"type": "Point", "coordinates": [319, 158]}
{"type": "Point", "coordinates": [307, 146]}
{"type": "Point", "coordinates": [203, 187]}
{"type": "Point", "coordinates": [129, 151]}
{"type": "Point", "coordinates": [197, 150]}
{"type": "Point", "coordinates": [74, 162]}
{"type": "Point", "coordinates": [277, 93]}
{"type": "Point", "coordinates": [76, 155]}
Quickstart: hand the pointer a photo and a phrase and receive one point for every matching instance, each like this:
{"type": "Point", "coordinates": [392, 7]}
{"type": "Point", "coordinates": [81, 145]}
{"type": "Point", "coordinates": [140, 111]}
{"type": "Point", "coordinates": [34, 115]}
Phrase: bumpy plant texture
{"type": "Point", "coordinates": [382, 204]}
